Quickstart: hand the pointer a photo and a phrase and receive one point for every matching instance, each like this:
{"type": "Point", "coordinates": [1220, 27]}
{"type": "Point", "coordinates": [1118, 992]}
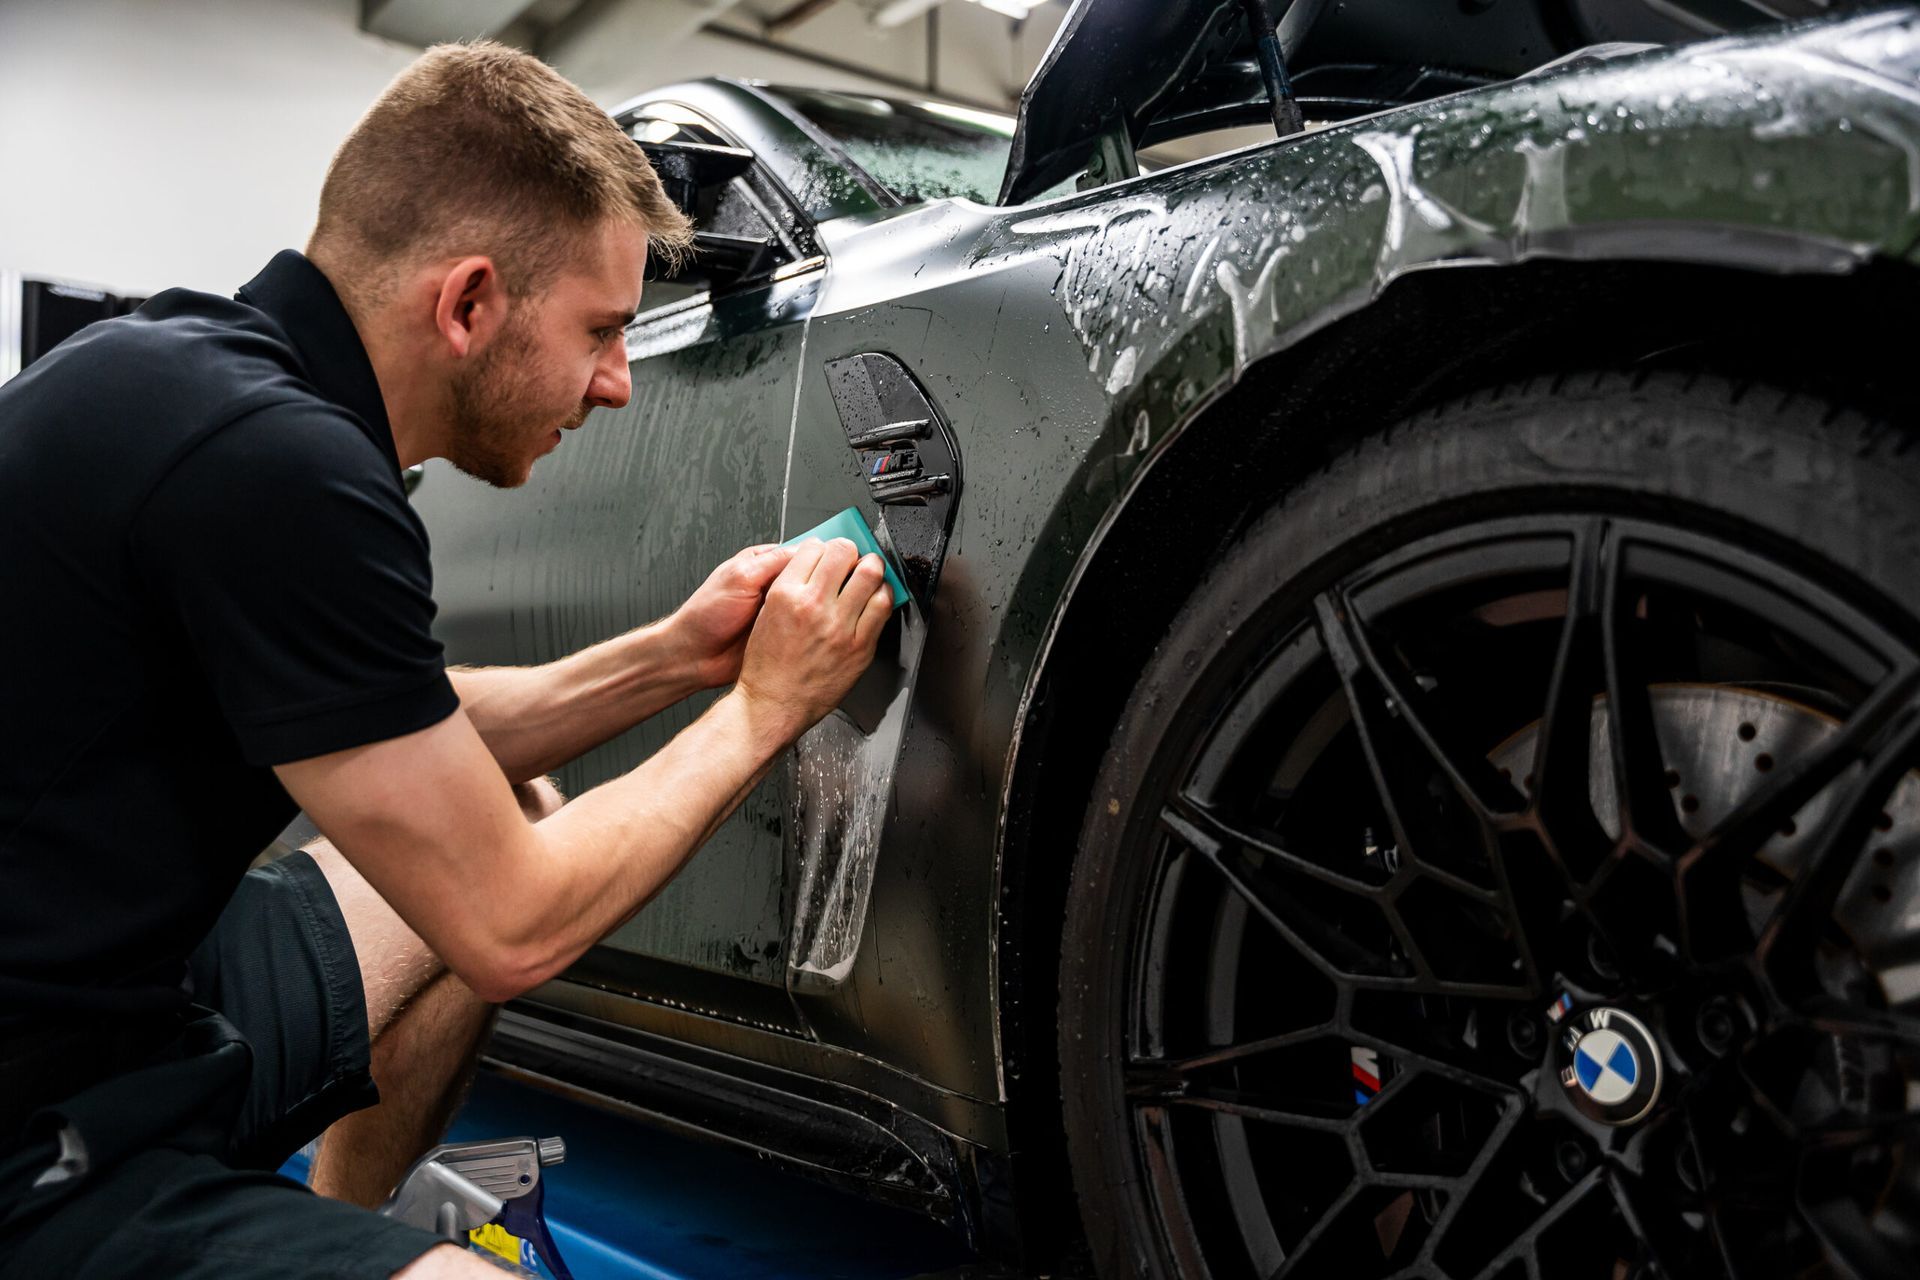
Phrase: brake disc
{"type": "Point", "coordinates": [1720, 743]}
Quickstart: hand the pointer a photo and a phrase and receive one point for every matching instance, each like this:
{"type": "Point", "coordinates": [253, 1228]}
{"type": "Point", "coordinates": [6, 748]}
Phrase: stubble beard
{"type": "Point", "coordinates": [495, 405]}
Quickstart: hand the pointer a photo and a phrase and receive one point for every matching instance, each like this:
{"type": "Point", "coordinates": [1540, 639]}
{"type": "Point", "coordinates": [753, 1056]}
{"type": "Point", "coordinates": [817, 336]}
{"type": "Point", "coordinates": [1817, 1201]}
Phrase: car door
{"type": "Point", "coordinates": [616, 528]}
{"type": "Point", "coordinates": [917, 353]}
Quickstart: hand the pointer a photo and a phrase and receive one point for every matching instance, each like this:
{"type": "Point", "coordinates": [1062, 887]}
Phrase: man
{"type": "Point", "coordinates": [218, 607]}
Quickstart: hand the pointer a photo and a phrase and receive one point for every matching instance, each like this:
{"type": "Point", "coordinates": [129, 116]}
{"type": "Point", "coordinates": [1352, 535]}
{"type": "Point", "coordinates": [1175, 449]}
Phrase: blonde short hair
{"type": "Point", "coordinates": [479, 148]}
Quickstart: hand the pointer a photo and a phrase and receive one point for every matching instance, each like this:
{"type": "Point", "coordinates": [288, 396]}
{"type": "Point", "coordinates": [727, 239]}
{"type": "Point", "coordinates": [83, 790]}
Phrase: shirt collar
{"type": "Point", "coordinates": [302, 301]}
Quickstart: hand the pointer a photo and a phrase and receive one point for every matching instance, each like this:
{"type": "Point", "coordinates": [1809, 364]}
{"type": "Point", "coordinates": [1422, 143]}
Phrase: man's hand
{"type": "Point", "coordinates": [429, 820]}
{"type": "Point", "coordinates": [535, 719]}
{"type": "Point", "coordinates": [710, 630]}
{"type": "Point", "coordinates": [816, 634]}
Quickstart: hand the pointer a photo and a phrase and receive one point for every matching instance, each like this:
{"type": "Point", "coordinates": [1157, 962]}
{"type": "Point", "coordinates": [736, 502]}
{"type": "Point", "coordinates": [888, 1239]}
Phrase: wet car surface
{"type": "Point", "coordinates": [1054, 412]}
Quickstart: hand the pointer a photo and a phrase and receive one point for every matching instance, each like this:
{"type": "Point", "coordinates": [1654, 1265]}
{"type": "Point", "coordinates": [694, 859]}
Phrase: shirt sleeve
{"type": "Point", "coordinates": [284, 547]}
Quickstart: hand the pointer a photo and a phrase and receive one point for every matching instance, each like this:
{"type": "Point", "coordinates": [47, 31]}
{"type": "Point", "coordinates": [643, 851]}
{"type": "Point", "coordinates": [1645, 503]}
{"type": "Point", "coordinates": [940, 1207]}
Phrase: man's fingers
{"type": "Point", "coordinates": [836, 560]}
{"type": "Point", "coordinates": [756, 567]}
{"type": "Point", "coordinates": [805, 557]}
{"type": "Point", "coordinates": [853, 596]}
{"type": "Point", "coordinates": [873, 616]}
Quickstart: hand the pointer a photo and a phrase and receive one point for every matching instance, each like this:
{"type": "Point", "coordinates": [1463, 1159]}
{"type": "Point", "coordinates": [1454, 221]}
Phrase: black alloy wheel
{"type": "Point", "coordinates": [1509, 865]}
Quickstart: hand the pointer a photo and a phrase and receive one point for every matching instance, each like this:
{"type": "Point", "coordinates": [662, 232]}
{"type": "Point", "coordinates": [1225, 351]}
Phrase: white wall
{"type": "Point", "coordinates": [148, 143]}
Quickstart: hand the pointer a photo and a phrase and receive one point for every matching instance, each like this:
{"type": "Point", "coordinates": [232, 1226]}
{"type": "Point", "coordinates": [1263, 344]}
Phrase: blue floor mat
{"type": "Point", "coordinates": [633, 1203]}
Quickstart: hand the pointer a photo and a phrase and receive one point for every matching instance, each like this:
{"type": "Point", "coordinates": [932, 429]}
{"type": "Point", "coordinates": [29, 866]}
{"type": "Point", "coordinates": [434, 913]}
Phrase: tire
{"type": "Point", "coordinates": [1793, 523]}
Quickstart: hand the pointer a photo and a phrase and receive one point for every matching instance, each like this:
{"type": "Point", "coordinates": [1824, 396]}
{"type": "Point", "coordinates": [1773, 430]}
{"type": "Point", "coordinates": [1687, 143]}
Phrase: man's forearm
{"type": "Point", "coordinates": [507, 904]}
{"type": "Point", "coordinates": [535, 719]}
{"type": "Point", "coordinates": [608, 852]}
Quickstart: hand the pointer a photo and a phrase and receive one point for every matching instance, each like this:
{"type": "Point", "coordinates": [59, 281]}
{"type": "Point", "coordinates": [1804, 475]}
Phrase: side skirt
{"type": "Point", "coordinates": [845, 1137]}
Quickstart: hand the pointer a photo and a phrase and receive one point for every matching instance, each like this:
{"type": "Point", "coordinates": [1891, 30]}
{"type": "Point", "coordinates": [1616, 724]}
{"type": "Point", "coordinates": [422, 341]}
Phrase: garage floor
{"type": "Point", "coordinates": [633, 1203]}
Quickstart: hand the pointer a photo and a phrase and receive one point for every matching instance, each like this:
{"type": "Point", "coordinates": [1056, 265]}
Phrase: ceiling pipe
{"type": "Point", "coordinates": [899, 12]}
{"type": "Point", "coordinates": [787, 19]}
{"type": "Point", "coordinates": [916, 89]}
{"type": "Point", "coordinates": [615, 48]}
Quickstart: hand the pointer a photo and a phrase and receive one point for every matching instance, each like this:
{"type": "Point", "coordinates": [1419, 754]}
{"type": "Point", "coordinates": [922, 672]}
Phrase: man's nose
{"type": "Point", "coordinates": [612, 384]}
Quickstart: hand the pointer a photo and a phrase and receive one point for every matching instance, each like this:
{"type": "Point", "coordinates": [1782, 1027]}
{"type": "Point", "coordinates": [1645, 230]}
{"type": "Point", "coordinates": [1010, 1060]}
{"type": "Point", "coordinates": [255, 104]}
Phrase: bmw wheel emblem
{"type": "Point", "coordinates": [1609, 1065]}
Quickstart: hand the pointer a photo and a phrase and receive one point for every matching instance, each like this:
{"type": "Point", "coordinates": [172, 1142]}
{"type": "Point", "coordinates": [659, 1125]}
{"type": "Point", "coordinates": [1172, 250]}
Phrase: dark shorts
{"type": "Point", "coordinates": [181, 1151]}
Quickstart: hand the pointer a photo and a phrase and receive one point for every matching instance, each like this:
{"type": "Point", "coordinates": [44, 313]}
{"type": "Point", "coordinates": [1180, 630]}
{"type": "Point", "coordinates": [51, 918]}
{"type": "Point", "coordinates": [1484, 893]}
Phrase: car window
{"type": "Point", "coordinates": [916, 150]}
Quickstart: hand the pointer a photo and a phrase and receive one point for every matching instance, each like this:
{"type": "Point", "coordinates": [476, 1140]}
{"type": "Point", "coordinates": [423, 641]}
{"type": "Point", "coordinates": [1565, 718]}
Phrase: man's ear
{"type": "Point", "coordinates": [471, 306]}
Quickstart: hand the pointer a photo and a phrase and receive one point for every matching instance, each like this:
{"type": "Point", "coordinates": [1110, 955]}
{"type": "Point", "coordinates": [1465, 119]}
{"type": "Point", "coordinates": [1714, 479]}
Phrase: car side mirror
{"type": "Point", "coordinates": [693, 174]}
{"type": "Point", "coordinates": [689, 169]}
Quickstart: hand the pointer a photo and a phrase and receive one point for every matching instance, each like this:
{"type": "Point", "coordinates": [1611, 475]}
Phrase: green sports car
{"type": "Point", "coordinates": [1400, 758]}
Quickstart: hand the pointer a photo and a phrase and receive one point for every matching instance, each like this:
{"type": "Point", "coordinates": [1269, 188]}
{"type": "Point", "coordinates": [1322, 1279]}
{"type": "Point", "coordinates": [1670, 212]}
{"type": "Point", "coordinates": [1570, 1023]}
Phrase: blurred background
{"type": "Point", "coordinates": [151, 143]}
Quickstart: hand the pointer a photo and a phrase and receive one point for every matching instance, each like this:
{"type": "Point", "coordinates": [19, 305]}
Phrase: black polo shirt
{"type": "Point", "coordinates": [208, 566]}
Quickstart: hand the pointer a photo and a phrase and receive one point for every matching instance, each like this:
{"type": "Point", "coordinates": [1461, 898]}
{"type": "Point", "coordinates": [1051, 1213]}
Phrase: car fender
{"type": "Point", "coordinates": [1070, 342]}
{"type": "Point", "coordinates": [1795, 151]}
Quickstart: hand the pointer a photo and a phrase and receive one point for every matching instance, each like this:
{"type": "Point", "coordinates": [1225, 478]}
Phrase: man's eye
{"type": "Point", "coordinates": [608, 335]}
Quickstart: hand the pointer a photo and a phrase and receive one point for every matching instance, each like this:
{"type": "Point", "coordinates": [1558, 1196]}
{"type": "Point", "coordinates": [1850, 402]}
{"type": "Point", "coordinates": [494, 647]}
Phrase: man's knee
{"type": "Point", "coordinates": [395, 962]}
{"type": "Point", "coordinates": [448, 1262]}
{"type": "Point", "coordinates": [539, 798]}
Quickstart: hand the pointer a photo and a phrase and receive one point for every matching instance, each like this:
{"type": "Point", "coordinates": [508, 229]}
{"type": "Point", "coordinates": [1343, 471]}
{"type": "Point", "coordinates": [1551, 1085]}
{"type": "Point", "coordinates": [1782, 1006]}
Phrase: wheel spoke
{"type": "Point", "coordinates": [1741, 1251]}
{"type": "Point", "coordinates": [1229, 1054]}
{"type": "Point", "coordinates": [1525, 1244]}
{"type": "Point", "coordinates": [1711, 872]}
{"type": "Point", "coordinates": [1349, 962]}
{"type": "Point", "coordinates": [1852, 1245]}
{"type": "Point", "coordinates": [1317, 938]}
{"type": "Point", "coordinates": [1850, 1130]}
{"type": "Point", "coordinates": [1647, 816]}
{"type": "Point", "coordinates": [1303, 1251]}
{"type": "Point", "coordinates": [1652, 1223]}
{"type": "Point", "coordinates": [1194, 822]}
{"type": "Point", "coordinates": [1567, 1203]}
{"type": "Point", "coordinates": [1164, 1179]}
{"type": "Point", "coordinates": [1404, 744]}
{"type": "Point", "coordinates": [1791, 935]}
{"type": "Point", "coordinates": [1565, 843]}
{"type": "Point", "coordinates": [1531, 890]}
{"type": "Point", "coordinates": [1387, 715]}
{"type": "Point", "coordinates": [1295, 1115]}
{"type": "Point", "coordinates": [1437, 1050]}
{"type": "Point", "coordinates": [1562, 764]}
{"type": "Point", "coordinates": [1858, 1022]}
{"type": "Point", "coordinates": [1505, 1130]}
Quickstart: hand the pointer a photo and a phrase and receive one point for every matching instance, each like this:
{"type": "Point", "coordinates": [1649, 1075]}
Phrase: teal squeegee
{"type": "Point", "coordinates": [852, 526]}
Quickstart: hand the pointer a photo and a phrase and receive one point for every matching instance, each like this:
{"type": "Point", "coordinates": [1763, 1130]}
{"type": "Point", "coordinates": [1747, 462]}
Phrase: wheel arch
{"type": "Point", "coordinates": [1449, 332]}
